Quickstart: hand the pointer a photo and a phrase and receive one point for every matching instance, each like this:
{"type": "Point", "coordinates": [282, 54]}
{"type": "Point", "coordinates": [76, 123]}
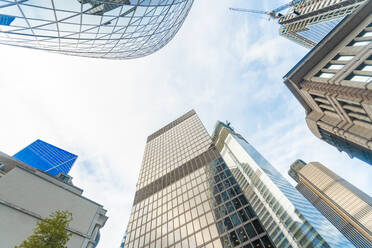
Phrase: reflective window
{"type": "Point", "coordinates": [325, 75]}
{"type": "Point", "coordinates": [359, 43]}
{"type": "Point", "coordinates": [360, 78]}
{"type": "Point", "coordinates": [344, 57]}
{"type": "Point", "coordinates": [334, 66]}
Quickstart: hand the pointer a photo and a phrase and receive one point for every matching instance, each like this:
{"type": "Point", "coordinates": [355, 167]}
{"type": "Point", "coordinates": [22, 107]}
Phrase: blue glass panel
{"type": "Point", "coordinates": [46, 157]}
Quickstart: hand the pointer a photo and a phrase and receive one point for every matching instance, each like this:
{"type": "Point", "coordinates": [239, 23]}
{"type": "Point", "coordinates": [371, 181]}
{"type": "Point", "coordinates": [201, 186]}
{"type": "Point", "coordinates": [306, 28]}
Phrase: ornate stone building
{"type": "Point", "coordinates": [333, 82]}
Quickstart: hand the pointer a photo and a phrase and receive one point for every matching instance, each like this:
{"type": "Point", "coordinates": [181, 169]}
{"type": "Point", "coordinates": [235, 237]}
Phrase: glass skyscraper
{"type": "Point", "coordinates": [311, 20]}
{"type": "Point", "coordinates": [46, 157]}
{"type": "Point", "coordinates": [186, 196]}
{"type": "Point", "coordinates": [111, 29]}
{"type": "Point", "coordinates": [344, 205]}
{"type": "Point", "coordinates": [290, 220]}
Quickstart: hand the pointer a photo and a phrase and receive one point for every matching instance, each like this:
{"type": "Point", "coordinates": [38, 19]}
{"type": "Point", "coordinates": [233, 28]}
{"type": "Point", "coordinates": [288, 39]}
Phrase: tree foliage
{"type": "Point", "coordinates": [50, 232]}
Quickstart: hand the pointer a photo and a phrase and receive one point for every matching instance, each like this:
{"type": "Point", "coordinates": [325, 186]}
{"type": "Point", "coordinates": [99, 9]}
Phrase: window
{"type": "Point", "coordinates": [366, 34]}
{"type": "Point", "coordinates": [250, 230]}
{"type": "Point", "coordinates": [365, 67]}
{"type": "Point", "coordinates": [343, 57]}
{"type": "Point", "coordinates": [234, 238]}
{"type": "Point", "coordinates": [242, 235]}
{"type": "Point", "coordinates": [359, 43]}
{"type": "Point", "coordinates": [359, 78]}
{"type": "Point", "coordinates": [325, 75]}
{"type": "Point", "coordinates": [334, 67]}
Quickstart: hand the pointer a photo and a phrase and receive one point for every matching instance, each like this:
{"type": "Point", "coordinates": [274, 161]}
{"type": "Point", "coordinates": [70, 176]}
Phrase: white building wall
{"type": "Point", "coordinates": [25, 198]}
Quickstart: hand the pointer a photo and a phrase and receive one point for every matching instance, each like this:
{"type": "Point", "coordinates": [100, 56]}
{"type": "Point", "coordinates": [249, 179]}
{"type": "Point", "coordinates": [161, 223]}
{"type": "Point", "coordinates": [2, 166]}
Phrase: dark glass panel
{"type": "Point", "coordinates": [230, 207]}
{"type": "Point", "coordinates": [237, 189]}
{"type": "Point", "coordinates": [250, 212]}
{"type": "Point", "coordinates": [237, 203]}
{"type": "Point", "coordinates": [250, 230]}
{"type": "Point", "coordinates": [228, 223]}
{"type": "Point", "coordinates": [267, 243]}
{"type": "Point", "coordinates": [243, 200]}
{"type": "Point", "coordinates": [234, 239]}
{"type": "Point", "coordinates": [225, 196]}
{"type": "Point", "coordinates": [235, 219]}
{"type": "Point", "coordinates": [257, 244]}
{"type": "Point", "coordinates": [243, 215]}
{"type": "Point", "coordinates": [258, 227]}
{"type": "Point", "coordinates": [231, 192]}
{"type": "Point", "coordinates": [243, 237]}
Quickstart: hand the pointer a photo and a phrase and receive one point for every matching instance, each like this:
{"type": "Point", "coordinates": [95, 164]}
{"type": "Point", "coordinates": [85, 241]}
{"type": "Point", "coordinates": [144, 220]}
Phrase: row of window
{"type": "Point", "coordinates": [363, 39]}
{"type": "Point", "coordinates": [303, 233]}
{"type": "Point", "coordinates": [167, 219]}
{"type": "Point", "coordinates": [236, 220]}
{"type": "Point", "coordinates": [173, 148]}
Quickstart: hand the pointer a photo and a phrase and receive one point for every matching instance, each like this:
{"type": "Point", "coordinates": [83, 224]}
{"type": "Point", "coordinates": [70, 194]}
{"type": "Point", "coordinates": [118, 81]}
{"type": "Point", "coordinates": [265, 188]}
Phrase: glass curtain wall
{"type": "Point", "coordinates": [291, 221]}
{"type": "Point", "coordinates": [112, 29]}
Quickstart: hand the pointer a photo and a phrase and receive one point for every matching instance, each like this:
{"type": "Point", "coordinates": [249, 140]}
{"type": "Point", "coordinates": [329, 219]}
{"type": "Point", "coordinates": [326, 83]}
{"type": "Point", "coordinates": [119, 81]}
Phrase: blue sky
{"type": "Point", "coordinates": [223, 64]}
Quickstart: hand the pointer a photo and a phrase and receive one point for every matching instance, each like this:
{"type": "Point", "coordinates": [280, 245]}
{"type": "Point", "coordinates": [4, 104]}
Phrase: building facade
{"type": "Point", "coordinates": [47, 157]}
{"type": "Point", "coordinates": [333, 82]}
{"type": "Point", "coordinates": [111, 29]}
{"type": "Point", "coordinates": [345, 206]}
{"type": "Point", "coordinates": [187, 197]}
{"type": "Point", "coordinates": [28, 195]}
{"type": "Point", "coordinates": [291, 220]}
{"type": "Point", "coordinates": [310, 21]}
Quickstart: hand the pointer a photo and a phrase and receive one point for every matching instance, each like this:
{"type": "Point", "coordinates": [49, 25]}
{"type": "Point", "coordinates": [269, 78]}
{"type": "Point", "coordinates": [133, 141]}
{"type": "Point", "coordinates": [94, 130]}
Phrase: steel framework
{"type": "Point", "coordinates": [112, 29]}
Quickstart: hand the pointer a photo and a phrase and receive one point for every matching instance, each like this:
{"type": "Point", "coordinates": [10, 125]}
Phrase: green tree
{"type": "Point", "coordinates": [50, 232]}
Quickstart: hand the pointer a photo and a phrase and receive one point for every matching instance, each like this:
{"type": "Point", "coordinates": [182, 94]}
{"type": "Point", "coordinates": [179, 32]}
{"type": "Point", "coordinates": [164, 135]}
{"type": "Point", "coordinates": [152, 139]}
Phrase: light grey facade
{"type": "Point", "coordinates": [28, 195]}
{"type": "Point", "coordinates": [345, 206]}
{"type": "Point", "coordinates": [290, 220]}
{"type": "Point", "coordinates": [333, 82]}
{"type": "Point", "coordinates": [187, 197]}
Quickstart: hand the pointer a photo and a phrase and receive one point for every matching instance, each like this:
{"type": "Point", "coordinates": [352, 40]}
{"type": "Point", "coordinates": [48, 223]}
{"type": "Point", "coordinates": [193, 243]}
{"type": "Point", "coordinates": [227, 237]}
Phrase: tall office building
{"type": "Point", "coordinates": [333, 83]}
{"type": "Point", "coordinates": [111, 29]}
{"type": "Point", "coordinates": [310, 21]}
{"type": "Point", "coordinates": [46, 157]}
{"type": "Point", "coordinates": [345, 206]}
{"type": "Point", "coordinates": [290, 220]}
{"type": "Point", "coordinates": [187, 197]}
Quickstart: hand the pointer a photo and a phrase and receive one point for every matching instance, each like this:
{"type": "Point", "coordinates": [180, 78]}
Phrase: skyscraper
{"type": "Point", "coordinates": [46, 157]}
{"type": "Point", "coordinates": [186, 195]}
{"type": "Point", "coordinates": [291, 220]}
{"type": "Point", "coordinates": [111, 29]}
{"type": "Point", "coordinates": [333, 84]}
{"type": "Point", "coordinates": [310, 21]}
{"type": "Point", "coordinates": [345, 206]}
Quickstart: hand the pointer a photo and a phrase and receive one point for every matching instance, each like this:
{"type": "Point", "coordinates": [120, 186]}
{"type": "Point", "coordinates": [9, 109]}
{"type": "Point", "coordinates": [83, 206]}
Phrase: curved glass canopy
{"type": "Point", "coordinates": [112, 29]}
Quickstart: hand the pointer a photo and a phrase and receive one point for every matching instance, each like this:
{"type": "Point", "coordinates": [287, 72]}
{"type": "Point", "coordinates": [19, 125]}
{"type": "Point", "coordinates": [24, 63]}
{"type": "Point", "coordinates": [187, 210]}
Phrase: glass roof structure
{"type": "Point", "coordinates": [111, 29]}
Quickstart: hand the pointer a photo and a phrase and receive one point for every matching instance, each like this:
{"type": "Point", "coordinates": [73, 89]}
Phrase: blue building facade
{"type": "Point", "coordinates": [47, 157]}
{"type": "Point", "coordinates": [290, 219]}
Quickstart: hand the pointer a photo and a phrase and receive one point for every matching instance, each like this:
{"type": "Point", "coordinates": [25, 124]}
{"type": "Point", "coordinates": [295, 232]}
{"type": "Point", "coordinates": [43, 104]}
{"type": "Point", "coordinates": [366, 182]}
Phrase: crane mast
{"type": "Point", "coordinates": [275, 13]}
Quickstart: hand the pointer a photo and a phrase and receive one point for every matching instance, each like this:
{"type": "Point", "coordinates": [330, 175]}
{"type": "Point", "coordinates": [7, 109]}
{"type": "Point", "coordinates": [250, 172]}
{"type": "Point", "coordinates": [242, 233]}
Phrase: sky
{"type": "Point", "coordinates": [225, 65]}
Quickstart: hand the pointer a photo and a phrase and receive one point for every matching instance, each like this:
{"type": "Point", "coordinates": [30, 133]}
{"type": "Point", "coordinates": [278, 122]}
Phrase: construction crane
{"type": "Point", "coordinates": [275, 14]}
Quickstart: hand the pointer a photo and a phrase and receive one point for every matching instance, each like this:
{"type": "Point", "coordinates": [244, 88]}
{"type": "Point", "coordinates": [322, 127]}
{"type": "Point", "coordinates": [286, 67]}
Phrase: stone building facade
{"type": "Point", "coordinates": [27, 195]}
{"type": "Point", "coordinates": [333, 82]}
